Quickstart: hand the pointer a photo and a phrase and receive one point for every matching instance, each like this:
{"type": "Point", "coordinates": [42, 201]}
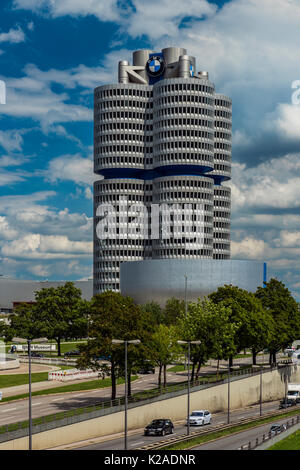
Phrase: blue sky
{"type": "Point", "coordinates": [52, 55]}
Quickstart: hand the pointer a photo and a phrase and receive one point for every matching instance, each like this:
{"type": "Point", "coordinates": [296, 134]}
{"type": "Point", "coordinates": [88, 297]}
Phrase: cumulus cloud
{"type": "Point", "coordinates": [13, 36]}
{"type": "Point", "coordinates": [105, 10]}
{"type": "Point", "coordinates": [71, 167]}
{"type": "Point", "coordinates": [273, 184]}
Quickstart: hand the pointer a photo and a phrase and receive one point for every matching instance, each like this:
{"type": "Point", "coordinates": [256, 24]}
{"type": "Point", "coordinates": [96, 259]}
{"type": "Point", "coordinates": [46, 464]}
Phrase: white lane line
{"type": "Point", "coordinates": [58, 399]}
{"type": "Point", "coordinates": [34, 404]}
{"type": "Point", "coordinates": [9, 409]}
{"type": "Point", "coordinates": [137, 443]}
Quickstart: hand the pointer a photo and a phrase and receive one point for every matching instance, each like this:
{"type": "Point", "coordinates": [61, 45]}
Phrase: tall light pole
{"type": "Point", "coordinates": [30, 414]}
{"type": "Point", "coordinates": [228, 409]}
{"type": "Point", "coordinates": [260, 400]}
{"type": "Point", "coordinates": [126, 342]}
{"type": "Point", "coordinates": [185, 308]}
{"type": "Point", "coordinates": [188, 395]}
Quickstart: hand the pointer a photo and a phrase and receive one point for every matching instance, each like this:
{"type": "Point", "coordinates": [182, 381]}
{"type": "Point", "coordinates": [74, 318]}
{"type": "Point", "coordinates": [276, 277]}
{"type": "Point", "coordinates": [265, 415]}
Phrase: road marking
{"type": "Point", "coordinates": [58, 399]}
{"type": "Point", "coordinates": [137, 443]}
{"type": "Point", "coordinates": [9, 409]}
{"type": "Point", "coordinates": [34, 404]}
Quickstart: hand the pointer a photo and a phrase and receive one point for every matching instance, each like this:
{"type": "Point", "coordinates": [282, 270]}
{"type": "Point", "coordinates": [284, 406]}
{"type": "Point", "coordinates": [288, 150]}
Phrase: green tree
{"type": "Point", "coordinates": [174, 308]}
{"type": "Point", "coordinates": [280, 304]}
{"type": "Point", "coordinates": [209, 323]}
{"type": "Point", "coordinates": [164, 349]}
{"type": "Point", "coordinates": [113, 316]}
{"type": "Point", "coordinates": [241, 304]}
{"type": "Point", "coordinates": [155, 311]}
{"type": "Point", "coordinates": [62, 312]}
{"type": "Point", "coordinates": [25, 323]}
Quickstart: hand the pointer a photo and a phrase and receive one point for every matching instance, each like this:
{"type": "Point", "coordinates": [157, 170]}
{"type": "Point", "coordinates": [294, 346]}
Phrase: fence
{"type": "Point", "coordinates": [72, 374]}
{"type": "Point", "coordinates": [251, 445]}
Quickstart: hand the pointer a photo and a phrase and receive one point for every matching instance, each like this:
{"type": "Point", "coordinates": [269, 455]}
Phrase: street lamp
{"type": "Point", "coordinates": [126, 342]}
{"type": "Point", "coordinates": [188, 396]}
{"type": "Point", "coordinates": [20, 340]}
{"type": "Point", "coordinates": [185, 308]}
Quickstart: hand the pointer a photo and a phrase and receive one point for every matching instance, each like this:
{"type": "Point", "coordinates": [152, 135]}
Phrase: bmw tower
{"type": "Point", "coordinates": [162, 150]}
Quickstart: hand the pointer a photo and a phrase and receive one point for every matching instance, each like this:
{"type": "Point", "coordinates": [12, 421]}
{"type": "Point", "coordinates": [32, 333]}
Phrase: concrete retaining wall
{"type": "Point", "coordinates": [243, 392]}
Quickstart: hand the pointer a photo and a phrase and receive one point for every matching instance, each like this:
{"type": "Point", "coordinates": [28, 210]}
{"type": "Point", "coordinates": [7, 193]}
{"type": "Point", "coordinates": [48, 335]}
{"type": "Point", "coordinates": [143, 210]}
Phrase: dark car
{"type": "Point", "coordinates": [147, 369]}
{"type": "Point", "coordinates": [277, 428]}
{"type": "Point", "coordinates": [36, 354]}
{"type": "Point", "coordinates": [74, 352]}
{"type": "Point", "coordinates": [159, 427]}
{"type": "Point", "coordinates": [286, 403]}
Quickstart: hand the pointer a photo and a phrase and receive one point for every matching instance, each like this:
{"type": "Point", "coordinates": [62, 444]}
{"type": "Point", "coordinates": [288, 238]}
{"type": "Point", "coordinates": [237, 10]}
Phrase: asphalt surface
{"type": "Point", "coordinates": [16, 411]}
{"type": "Point", "coordinates": [137, 439]}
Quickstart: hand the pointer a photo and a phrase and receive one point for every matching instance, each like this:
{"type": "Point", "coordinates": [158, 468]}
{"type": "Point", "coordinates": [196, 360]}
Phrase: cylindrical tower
{"type": "Point", "coordinates": [221, 173]}
{"type": "Point", "coordinates": [183, 152]}
{"type": "Point", "coordinates": [162, 150]}
{"type": "Point", "coordinates": [121, 149]}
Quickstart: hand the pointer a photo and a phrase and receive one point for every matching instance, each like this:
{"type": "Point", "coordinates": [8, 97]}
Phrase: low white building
{"type": "Point", "coordinates": [15, 291]}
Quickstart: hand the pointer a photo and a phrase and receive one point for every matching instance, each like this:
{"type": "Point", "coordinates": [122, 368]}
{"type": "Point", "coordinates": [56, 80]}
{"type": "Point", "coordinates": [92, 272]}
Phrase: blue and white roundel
{"type": "Point", "coordinates": [155, 66]}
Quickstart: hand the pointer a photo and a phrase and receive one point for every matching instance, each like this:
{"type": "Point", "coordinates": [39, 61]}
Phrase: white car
{"type": "Point", "coordinates": [199, 418]}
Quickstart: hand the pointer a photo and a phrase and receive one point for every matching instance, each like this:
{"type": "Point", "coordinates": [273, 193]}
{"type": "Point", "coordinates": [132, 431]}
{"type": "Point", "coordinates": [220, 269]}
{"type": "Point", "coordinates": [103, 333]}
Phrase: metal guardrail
{"type": "Point", "coordinates": [269, 435]}
{"type": "Point", "coordinates": [48, 360]}
{"type": "Point", "coordinates": [44, 423]}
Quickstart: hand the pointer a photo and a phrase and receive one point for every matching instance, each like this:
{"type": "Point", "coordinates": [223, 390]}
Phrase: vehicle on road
{"type": "Point", "coordinates": [36, 354]}
{"type": "Point", "coordinates": [73, 352]}
{"type": "Point", "coordinates": [277, 428]}
{"type": "Point", "coordinates": [159, 427]}
{"type": "Point", "coordinates": [286, 403]}
{"type": "Point", "coordinates": [294, 392]}
{"type": "Point", "coordinates": [146, 369]}
{"type": "Point", "coordinates": [289, 350]}
{"type": "Point", "coordinates": [199, 418]}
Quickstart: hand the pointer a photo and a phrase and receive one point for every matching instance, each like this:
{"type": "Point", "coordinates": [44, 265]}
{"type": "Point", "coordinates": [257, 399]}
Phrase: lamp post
{"type": "Point", "coordinates": [126, 342]}
{"type": "Point", "coordinates": [29, 341]}
{"type": "Point", "coordinates": [228, 409]}
{"type": "Point", "coordinates": [260, 400]}
{"type": "Point", "coordinates": [188, 395]}
{"type": "Point", "coordinates": [30, 414]}
{"type": "Point", "coordinates": [185, 308]}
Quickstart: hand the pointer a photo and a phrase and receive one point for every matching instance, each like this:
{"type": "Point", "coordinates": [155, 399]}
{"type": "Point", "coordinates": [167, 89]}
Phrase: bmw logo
{"type": "Point", "coordinates": [155, 66]}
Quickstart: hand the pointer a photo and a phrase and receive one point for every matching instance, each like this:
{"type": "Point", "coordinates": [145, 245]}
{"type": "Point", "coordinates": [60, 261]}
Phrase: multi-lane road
{"type": "Point", "coordinates": [136, 439]}
{"type": "Point", "coordinates": [15, 411]}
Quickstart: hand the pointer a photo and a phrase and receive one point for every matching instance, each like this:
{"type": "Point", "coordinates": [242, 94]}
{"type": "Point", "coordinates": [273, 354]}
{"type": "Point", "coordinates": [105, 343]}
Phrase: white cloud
{"type": "Point", "coordinates": [105, 10]}
{"type": "Point", "coordinates": [12, 140]}
{"type": "Point", "coordinates": [13, 36]}
{"type": "Point", "coordinates": [36, 246]}
{"type": "Point", "coordinates": [286, 119]}
{"type": "Point", "coordinates": [71, 167]}
{"type": "Point", "coordinates": [248, 248]}
{"type": "Point", "coordinates": [273, 184]}
{"type": "Point", "coordinates": [159, 18]}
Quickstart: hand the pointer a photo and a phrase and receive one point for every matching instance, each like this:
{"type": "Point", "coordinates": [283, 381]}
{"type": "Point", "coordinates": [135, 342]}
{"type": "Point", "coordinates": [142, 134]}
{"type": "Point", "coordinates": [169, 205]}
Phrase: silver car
{"type": "Point", "coordinates": [199, 418]}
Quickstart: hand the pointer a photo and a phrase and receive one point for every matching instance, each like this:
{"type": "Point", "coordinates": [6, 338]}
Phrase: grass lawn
{"type": "Point", "coordinates": [91, 385]}
{"type": "Point", "coordinates": [10, 380]}
{"type": "Point", "coordinates": [291, 442]}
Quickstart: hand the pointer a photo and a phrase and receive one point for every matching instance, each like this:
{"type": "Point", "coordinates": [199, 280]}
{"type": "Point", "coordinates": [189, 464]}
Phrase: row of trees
{"type": "Point", "coordinates": [227, 322]}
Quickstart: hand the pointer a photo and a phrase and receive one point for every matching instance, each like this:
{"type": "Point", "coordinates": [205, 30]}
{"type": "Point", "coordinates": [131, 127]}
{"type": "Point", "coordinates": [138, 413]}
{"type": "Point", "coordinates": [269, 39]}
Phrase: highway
{"type": "Point", "coordinates": [15, 411]}
{"type": "Point", "coordinates": [137, 439]}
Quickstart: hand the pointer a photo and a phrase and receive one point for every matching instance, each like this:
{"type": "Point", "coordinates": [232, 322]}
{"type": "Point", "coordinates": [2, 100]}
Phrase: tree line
{"type": "Point", "coordinates": [228, 321]}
